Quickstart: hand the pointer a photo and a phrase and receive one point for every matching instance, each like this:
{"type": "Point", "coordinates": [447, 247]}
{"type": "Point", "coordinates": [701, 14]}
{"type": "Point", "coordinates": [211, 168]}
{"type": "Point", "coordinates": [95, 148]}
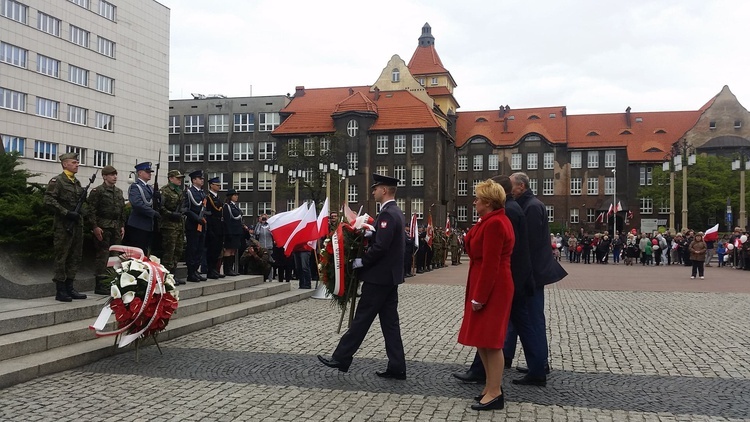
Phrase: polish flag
{"type": "Point", "coordinates": [323, 220]}
{"type": "Point", "coordinates": [306, 230]}
{"type": "Point", "coordinates": [349, 214]}
{"type": "Point", "coordinates": [619, 207]}
{"type": "Point", "coordinates": [430, 230]}
{"type": "Point", "coordinates": [609, 212]}
{"type": "Point", "coordinates": [712, 234]}
{"type": "Point", "coordinates": [283, 224]}
{"type": "Point", "coordinates": [448, 225]}
{"type": "Point", "coordinates": [413, 230]}
{"type": "Point", "coordinates": [630, 215]}
{"type": "Point", "coordinates": [600, 218]}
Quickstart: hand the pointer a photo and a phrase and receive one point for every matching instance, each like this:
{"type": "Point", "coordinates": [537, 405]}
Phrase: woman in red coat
{"type": "Point", "coordinates": [489, 289]}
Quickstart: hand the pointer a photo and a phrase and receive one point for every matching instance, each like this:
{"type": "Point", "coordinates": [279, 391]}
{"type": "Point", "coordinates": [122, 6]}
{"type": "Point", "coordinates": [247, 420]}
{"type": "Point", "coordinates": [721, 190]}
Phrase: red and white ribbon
{"type": "Point", "coordinates": [338, 261]}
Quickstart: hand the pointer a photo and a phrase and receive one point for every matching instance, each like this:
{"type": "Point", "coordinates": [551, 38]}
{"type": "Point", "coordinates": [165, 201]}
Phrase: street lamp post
{"type": "Point", "coordinates": [675, 156]}
{"type": "Point", "coordinates": [614, 203]}
{"type": "Point", "coordinates": [274, 169]}
{"type": "Point", "coordinates": [296, 175]}
{"type": "Point", "coordinates": [738, 165]}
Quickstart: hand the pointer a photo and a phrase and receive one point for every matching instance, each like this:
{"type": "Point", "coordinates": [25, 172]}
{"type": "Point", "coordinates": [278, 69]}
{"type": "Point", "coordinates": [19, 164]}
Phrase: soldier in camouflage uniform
{"type": "Point", "coordinates": [455, 247]}
{"type": "Point", "coordinates": [172, 224]}
{"type": "Point", "coordinates": [438, 245]}
{"type": "Point", "coordinates": [62, 194]}
{"type": "Point", "coordinates": [106, 205]}
{"type": "Point", "coordinates": [255, 259]}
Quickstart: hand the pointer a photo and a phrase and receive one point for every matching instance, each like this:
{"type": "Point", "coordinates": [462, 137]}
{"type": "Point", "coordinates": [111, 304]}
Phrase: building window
{"type": "Point", "coordinates": [593, 160]}
{"type": "Point", "coordinates": [243, 180]}
{"type": "Point", "coordinates": [292, 149]}
{"type": "Point", "coordinates": [104, 121]}
{"type": "Point", "coordinates": [46, 151]}
{"type": "Point", "coordinates": [218, 152]}
{"type": "Point", "coordinates": [308, 147]}
{"type": "Point", "coordinates": [325, 146]}
{"type": "Point", "coordinates": [474, 186]}
{"type": "Point", "coordinates": [79, 36]}
{"type": "Point", "coordinates": [266, 150]}
{"type": "Point", "coordinates": [395, 75]}
{"type": "Point", "coordinates": [609, 185]}
{"type": "Point", "coordinates": [417, 144]}
{"type": "Point", "coordinates": [246, 208]}
{"type": "Point", "coordinates": [222, 184]}
{"type": "Point", "coordinates": [105, 84]}
{"type": "Point", "coordinates": [738, 124]}
{"type": "Point", "coordinates": [463, 163]}
{"type": "Point", "coordinates": [399, 172]}
{"type": "Point", "coordinates": [14, 55]}
{"type": "Point", "coordinates": [461, 213]}
{"type": "Point", "coordinates": [82, 3]}
{"type": "Point", "coordinates": [575, 160]}
{"type": "Point", "coordinates": [417, 175]}
{"type": "Point", "coordinates": [218, 123]}
{"type": "Point", "coordinates": [243, 151]}
{"type": "Point", "coordinates": [417, 207]}
{"type": "Point", "coordinates": [647, 206]}
{"type": "Point", "coordinates": [478, 162]}
{"type": "Point", "coordinates": [102, 158]}
{"type": "Point", "coordinates": [14, 10]}
{"type": "Point", "coordinates": [381, 145]}
{"type": "Point", "coordinates": [268, 121]}
{"type": "Point", "coordinates": [515, 161]}
{"type": "Point", "coordinates": [77, 115]}
{"type": "Point", "coordinates": [421, 81]}
{"type": "Point", "coordinates": [352, 160]}
{"type": "Point", "coordinates": [174, 125]}
{"type": "Point", "coordinates": [664, 207]}
{"type": "Point", "coordinates": [381, 170]}
{"type": "Point", "coordinates": [549, 160]}
{"type": "Point", "coordinates": [493, 162]}
{"type": "Point", "coordinates": [474, 215]}
{"type": "Point", "coordinates": [712, 125]}
{"type": "Point", "coordinates": [590, 215]}
{"type": "Point", "coordinates": [550, 213]}
{"type": "Point", "coordinates": [549, 187]}
{"type": "Point", "coordinates": [47, 66]}
{"type": "Point", "coordinates": [14, 144]}
{"type": "Point", "coordinates": [574, 217]}
{"type": "Point", "coordinates": [264, 181]}
{"type": "Point", "coordinates": [13, 100]}
{"type": "Point", "coordinates": [352, 127]}
{"type": "Point", "coordinates": [244, 122]}
{"type": "Point", "coordinates": [80, 151]}
{"type": "Point", "coordinates": [194, 123]}
{"type": "Point", "coordinates": [646, 178]}
{"type": "Point", "coordinates": [463, 187]}
{"type": "Point", "coordinates": [264, 208]}
{"type": "Point", "coordinates": [532, 161]}
{"type": "Point", "coordinates": [351, 196]}
{"type": "Point", "coordinates": [78, 75]}
{"type": "Point", "coordinates": [434, 81]}
{"type": "Point", "coordinates": [105, 46]}
{"type": "Point", "coordinates": [610, 159]}
{"type": "Point", "coordinates": [290, 205]}
{"type": "Point", "coordinates": [107, 10]}
{"type": "Point", "coordinates": [399, 144]}
{"type": "Point", "coordinates": [592, 185]}
{"type": "Point", "coordinates": [401, 203]}
{"type": "Point", "coordinates": [194, 152]}
{"type": "Point", "coordinates": [534, 186]}
{"type": "Point", "coordinates": [46, 108]}
{"type": "Point", "coordinates": [174, 153]}
{"type": "Point", "coordinates": [575, 185]}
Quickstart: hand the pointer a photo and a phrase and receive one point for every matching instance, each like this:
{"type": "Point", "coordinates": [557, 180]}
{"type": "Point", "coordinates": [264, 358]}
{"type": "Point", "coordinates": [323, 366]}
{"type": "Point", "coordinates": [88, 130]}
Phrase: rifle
{"type": "Point", "coordinates": [79, 204]}
{"type": "Point", "coordinates": [156, 198]}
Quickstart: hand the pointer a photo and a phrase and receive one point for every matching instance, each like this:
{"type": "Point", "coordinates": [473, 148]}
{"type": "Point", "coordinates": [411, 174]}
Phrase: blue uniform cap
{"type": "Point", "coordinates": [198, 174]}
{"type": "Point", "coordinates": [379, 179]}
{"type": "Point", "coordinates": [215, 181]}
{"type": "Point", "coordinates": [145, 166]}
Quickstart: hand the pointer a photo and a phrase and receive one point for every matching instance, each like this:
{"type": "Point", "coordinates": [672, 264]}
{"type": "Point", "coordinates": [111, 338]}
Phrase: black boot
{"type": "Point", "coordinates": [229, 266]}
{"type": "Point", "coordinates": [72, 291]}
{"type": "Point", "coordinates": [101, 287]}
{"type": "Point", "coordinates": [62, 293]}
{"type": "Point", "coordinates": [193, 276]}
{"type": "Point", "coordinates": [177, 281]}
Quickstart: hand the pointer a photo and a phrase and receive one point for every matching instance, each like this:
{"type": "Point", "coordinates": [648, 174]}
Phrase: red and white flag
{"type": "Point", "coordinates": [448, 225]}
{"type": "Point", "coordinates": [306, 230]}
{"type": "Point", "coordinates": [600, 218]}
{"type": "Point", "coordinates": [323, 220]}
{"type": "Point", "coordinates": [430, 230]}
{"type": "Point", "coordinates": [414, 230]}
{"type": "Point", "coordinates": [619, 207]}
{"type": "Point", "coordinates": [712, 234]}
{"type": "Point", "coordinates": [349, 214]}
{"type": "Point", "coordinates": [284, 223]}
{"type": "Point", "coordinates": [609, 212]}
{"type": "Point", "coordinates": [630, 214]}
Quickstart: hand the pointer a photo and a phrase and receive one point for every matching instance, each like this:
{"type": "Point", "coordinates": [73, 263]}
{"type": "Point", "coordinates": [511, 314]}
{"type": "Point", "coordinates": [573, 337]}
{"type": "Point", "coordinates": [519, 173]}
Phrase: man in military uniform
{"type": "Point", "coordinates": [194, 205]}
{"type": "Point", "coordinates": [256, 259]}
{"type": "Point", "coordinates": [214, 229]}
{"type": "Point", "coordinates": [140, 227]}
{"type": "Point", "coordinates": [439, 247]}
{"type": "Point", "coordinates": [172, 227]}
{"type": "Point", "coordinates": [455, 247]}
{"type": "Point", "coordinates": [107, 220]}
{"type": "Point", "coordinates": [62, 195]}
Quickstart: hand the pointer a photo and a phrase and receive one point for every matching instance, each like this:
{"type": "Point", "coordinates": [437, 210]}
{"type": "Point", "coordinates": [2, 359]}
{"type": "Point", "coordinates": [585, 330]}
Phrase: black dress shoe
{"type": "Point", "coordinates": [479, 397]}
{"type": "Point", "coordinates": [333, 363]}
{"type": "Point", "coordinates": [527, 380]}
{"type": "Point", "coordinates": [525, 370]}
{"type": "Point", "coordinates": [391, 374]}
{"type": "Point", "coordinates": [469, 377]}
{"type": "Point", "coordinates": [494, 404]}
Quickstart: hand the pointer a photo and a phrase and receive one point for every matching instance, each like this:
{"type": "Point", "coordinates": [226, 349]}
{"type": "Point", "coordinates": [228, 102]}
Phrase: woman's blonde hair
{"type": "Point", "coordinates": [492, 193]}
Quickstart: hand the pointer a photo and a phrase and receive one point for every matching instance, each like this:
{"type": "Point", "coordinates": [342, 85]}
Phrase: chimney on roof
{"type": "Point", "coordinates": [502, 111]}
{"type": "Point", "coordinates": [627, 116]}
{"type": "Point", "coordinates": [377, 93]}
{"type": "Point", "coordinates": [299, 91]}
{"type": "Point", "coordinates": [351, 91]}
{"type": "Point", "coordinates": [505, 124]}
{"type": "Point", "coordinates": [426, 39]}
{"type": "Point", "coordinates": [564, 111]}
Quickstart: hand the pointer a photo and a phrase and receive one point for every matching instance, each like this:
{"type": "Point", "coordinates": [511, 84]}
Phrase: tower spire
{"type": "Point", "coordinates": [426, 39]}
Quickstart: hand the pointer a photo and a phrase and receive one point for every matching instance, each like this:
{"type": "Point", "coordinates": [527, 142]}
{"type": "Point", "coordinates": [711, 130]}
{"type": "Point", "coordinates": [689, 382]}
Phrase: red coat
{"type": "Point", "coordinates": [489, 245]}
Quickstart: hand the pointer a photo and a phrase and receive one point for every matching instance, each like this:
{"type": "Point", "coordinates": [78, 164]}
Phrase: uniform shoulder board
{"type": "Point", "coordinates": [53, 180]}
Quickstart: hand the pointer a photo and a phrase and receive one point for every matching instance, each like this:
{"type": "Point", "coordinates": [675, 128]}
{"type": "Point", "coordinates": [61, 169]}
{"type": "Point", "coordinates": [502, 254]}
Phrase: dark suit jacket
{"type": "Point", "coordinates": [546, 270]}
{"type": "Point", "coordinates": [383, 263]}
{"type": "Point", "coordinates": [142, 213]}
{"type": "Point", "coordinates": [520, 259]}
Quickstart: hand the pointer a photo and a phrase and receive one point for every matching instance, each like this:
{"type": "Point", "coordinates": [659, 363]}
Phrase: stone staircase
{"type": "Point", "coordinates": [43, 336]}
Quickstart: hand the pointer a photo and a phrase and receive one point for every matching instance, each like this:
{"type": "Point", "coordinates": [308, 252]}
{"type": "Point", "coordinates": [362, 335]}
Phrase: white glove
{"type": "Point", "coordinates": [369, 233]}
{"type": "Point", "coordinates": [357, 263]}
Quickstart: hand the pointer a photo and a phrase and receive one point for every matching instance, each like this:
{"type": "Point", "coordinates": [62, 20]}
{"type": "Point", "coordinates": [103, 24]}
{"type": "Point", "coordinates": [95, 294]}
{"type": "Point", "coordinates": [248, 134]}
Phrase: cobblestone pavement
{"type": "Point", "coordinates": [616, 356]}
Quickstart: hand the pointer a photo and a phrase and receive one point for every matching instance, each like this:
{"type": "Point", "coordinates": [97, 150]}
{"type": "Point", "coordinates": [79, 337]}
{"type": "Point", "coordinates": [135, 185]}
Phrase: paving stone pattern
{"type": "Point", "coordinates": [616, 356]}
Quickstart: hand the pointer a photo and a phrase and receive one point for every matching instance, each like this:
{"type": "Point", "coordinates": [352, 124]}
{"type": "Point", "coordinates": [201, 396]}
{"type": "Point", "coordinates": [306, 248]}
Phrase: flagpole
{"type": "Point", "coordinates": [614, 204]}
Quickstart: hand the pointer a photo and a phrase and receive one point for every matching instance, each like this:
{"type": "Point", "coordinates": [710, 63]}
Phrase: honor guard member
{"type": "Point", "coordinates": [172, 224]}
{"type": "Point", "coordinates": [195, 225]}
{"type": "Point", "coordinates": [140, 227]}
{"type": "Point", "coordinates": [107, 220]}
{"type": "Point", "coordinates": [62, 195]}
{"type": "Point", "coordinates": [382, 270]}
{"type": "Point", "coordinates": [214, 229]}
{"type": "Point", "coordinates": [234, 229]}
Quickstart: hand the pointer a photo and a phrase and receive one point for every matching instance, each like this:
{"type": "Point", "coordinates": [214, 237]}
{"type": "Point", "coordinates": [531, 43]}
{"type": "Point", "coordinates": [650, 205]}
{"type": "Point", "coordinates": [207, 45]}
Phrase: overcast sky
{"type": "Point", "coordinates": [593, 56]}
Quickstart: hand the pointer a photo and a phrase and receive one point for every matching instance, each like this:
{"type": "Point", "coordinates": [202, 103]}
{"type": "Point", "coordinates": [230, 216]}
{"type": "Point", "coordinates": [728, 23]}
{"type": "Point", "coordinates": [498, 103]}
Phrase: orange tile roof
{"type": "Point", "coordinates": [356, 102]}
{"type": "Point", "coordinates": [438, 91]}
{"type": "Point", "coordinates": [402, 110]}
{"type": "Point", "coordinates": [553, 129]}
{"type": "Point", "coordinates": [426, 61]}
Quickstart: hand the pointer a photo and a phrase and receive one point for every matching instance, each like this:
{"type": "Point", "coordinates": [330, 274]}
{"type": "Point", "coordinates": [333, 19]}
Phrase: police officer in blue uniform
{"type": "Point", "coordinates": [214, 229]}
{"type": "Point", "coordinates": [139, 230]}
{"type": "Point", "coordinates": [382, 270]}
{"type": "Point", "coordinates": [194, 205]}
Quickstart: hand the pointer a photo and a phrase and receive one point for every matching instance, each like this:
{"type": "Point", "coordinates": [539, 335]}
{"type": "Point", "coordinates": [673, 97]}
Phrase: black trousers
{"type": "Point", "coordinates": [382, 301]}
{"type": "Point", "coordinates": [139, 238]}
{"type": "Point", "coordinates": [194, 249]}
{"type": "Point", "coordinates": [214, 245]}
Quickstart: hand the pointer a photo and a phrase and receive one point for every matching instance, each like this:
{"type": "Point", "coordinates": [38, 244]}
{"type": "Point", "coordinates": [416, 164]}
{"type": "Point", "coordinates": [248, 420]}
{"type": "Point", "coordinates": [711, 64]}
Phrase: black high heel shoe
{"type": "Point", "coordinates": [494, 404]}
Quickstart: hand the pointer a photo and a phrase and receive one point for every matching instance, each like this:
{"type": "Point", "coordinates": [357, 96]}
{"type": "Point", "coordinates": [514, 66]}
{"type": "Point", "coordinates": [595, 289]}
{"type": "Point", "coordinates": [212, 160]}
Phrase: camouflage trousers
{"type": "Point", "coordinates": [455, 255]}
{"type": "Point", "coordinates": [68, 248]}
{"type": "Point", "coordinates": [172, 241]}
{"type": "Point", "coordinates": [110, 236]}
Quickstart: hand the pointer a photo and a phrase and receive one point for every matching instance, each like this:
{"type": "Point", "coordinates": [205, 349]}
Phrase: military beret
{"type": "Point", "coordinates": [175, 173]}
{"type": "Point", "coordinates": [108, 170]}
{"type": "Point", "coordinates": [69, 156]}
{"type": "Point", "coordinates": [144, 166]}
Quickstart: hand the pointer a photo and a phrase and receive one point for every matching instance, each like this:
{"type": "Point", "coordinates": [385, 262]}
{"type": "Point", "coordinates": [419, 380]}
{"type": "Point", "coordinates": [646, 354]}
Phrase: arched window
{"type": "Point", "coordinates": [351, 128]}
{"type": "Point", "coordinates": [395, 75]}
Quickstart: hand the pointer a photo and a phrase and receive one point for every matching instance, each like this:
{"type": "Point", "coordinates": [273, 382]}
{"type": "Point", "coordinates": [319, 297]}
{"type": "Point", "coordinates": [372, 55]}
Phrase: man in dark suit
{"type": "Point", "coordinates": [382, 270]}
{"type": "Point", "coordinates": [139, 230]}
{"type": "Point", "coordinates": [194, 205]}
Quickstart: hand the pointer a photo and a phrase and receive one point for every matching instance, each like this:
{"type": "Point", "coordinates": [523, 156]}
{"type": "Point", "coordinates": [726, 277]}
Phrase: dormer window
{"type": "Point", "coordinates": [533, 117]}
{"type": "Point", "coordinates": [592, 133]}
{"type": "Point", "coordinates": [434, 82]}
{"type": "Point", "coordinates": [660, 131]}
{"type": "Point", "coordinates": [626, 132]}
{"type": "Point", "coordinates": [480, 119]}
{"type": "Point", "coordinates": [351, 128]}
{"type": "Point", "coordinates": [421, 81]}
{"type": "Point", "coordinates": [712, 125]}
{"type": "Point", "coordinates": [395, 75]}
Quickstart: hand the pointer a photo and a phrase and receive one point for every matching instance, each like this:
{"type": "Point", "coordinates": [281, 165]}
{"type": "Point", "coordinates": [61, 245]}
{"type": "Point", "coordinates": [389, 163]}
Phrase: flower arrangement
{"type": "Point", "coordinates": [143, 296]}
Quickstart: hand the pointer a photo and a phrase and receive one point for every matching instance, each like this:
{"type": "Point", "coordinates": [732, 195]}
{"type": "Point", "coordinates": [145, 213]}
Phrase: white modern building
{"type": "Point", "coordinates": [89, 76]}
